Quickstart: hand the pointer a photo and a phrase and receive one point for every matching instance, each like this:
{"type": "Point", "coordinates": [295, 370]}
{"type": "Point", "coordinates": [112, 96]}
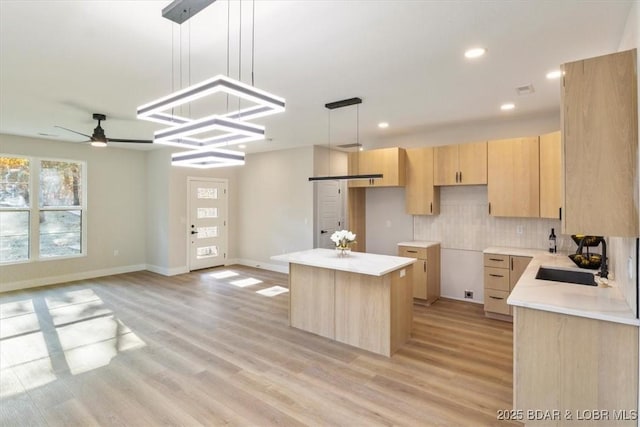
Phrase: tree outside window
{"type": "Point", "coordinates": [58, 195]}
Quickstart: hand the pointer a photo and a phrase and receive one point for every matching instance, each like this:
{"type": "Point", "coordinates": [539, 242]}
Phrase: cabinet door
{"type": "Point", "coordinates": [420, 279]}
{"type": "Point", "coordinates": [472, 163]}
{"type": "Point", "coordinates": [518, 265]}
{"type": "Point", "coordinates": [445, 165]}
{"type": "Point", "coordinates": [361, 162]}
{"type": "Point", "coordinates": [390, 162]}
{"type": "Point", "coordinates": [421, 197]}
{"type": "Point", "coordinates": [600, 143]}
{"type": "Point", "coordinates": [513, 177]}
{"type": "Point", "coordinates": [550, 175]}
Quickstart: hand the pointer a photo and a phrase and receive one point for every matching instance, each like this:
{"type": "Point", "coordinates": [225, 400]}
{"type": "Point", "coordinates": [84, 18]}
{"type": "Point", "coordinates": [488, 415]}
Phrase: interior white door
{"type": "Point", "coordinates": [207, 228]}
{"type": "Point", "coordinates": [330, 211]}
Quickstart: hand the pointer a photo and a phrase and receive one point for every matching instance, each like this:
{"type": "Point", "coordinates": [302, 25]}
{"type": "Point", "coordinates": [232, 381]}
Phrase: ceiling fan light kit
{"type": "Point", "coordinates": [99, 139]}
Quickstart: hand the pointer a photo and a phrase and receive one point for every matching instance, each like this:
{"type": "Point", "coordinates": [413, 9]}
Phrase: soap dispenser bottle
{"type": "Point", "coordinates": [552, 241]}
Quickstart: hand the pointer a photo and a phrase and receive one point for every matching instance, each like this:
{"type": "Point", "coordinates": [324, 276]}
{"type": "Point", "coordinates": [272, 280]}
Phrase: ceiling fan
{"type": "Point", "coordinates": [99, 139]}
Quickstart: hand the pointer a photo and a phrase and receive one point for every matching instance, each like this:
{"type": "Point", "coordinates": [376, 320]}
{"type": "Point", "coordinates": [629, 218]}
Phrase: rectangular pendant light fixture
{"type": "Point", "coordinates": [232, 132]}
{"type": "Point", "coordinates": [332, 106]}
{"type": "Point", "coordinates": [233, 126]}
{"type": "Point", "coordinates": [214, 158]}
{"type": "Point", "coordinates": [267, 103]}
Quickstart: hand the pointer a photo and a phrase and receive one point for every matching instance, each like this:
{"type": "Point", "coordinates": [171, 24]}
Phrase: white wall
{"type": "Point", "coordinates": [275, 206]}
{"type": "Point", "coordinates": [387, 223]}
{"type": "Point", "coordinates": [116, 213]}
{"type": "Point", "coordinates": [158, 211]}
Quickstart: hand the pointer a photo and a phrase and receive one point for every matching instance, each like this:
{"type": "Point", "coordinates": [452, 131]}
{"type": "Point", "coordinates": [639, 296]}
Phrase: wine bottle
{"type": "Point", "coordinates": [552, 241]}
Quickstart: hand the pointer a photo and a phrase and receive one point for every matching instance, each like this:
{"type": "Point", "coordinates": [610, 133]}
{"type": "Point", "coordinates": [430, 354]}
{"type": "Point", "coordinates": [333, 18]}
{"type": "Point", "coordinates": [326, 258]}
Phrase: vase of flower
{"type": "Point", "coordinates": [343, 240]}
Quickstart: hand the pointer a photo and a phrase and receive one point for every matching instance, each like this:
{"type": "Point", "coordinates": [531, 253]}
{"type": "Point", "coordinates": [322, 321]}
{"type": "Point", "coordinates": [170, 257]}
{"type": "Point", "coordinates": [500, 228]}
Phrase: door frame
{"type": "Point", "coordinates": [187, 230]}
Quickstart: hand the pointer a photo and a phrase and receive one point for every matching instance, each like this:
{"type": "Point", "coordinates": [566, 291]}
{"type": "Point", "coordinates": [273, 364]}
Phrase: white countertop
{"type": "Point", "coordinates": [594, 302]}
{"type": "Point", "coordinates": [355, 262]}
{"type": "Point", "coordinates": [418, 244]}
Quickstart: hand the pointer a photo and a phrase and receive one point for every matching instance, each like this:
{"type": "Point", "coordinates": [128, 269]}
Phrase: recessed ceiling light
{"type": "Point", "coordinates": [508, 106]}
{"type": "Point", "coordinates": [242, 146]}
{"type": "Point", "coordinates": [476, 52]}
{"type": "Point", "coordinates": [555, 74]}
{"type": "Point", "coordinates": [383, 125]}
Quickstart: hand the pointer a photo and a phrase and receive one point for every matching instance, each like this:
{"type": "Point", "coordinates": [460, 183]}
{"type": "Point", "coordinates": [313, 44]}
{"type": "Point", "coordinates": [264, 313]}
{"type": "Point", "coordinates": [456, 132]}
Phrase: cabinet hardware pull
{"type": "Point", "coordinates": [511, 263]}
{"type": "Point", "coordinates": [460, 176]}
{"type": "Point", "coordinates": [492, 297]}
{"type": "Point", "coordinates": [489, 208]}
{"type": "Point", "coordinates": [560, 213]}
{"type": "Point", "coordinates": [412, 252]}
{"type": "Point", "coordinates": [495, 275]}
{"type": "Point", "coordinates": [431, 207]}
{"type": "Point", "coordinates": [424, 265]}
{"type": "Point", "coordinates": [496, 259]}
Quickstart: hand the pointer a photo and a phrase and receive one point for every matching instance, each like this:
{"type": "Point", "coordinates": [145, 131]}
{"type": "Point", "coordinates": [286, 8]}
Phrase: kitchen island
{"type": "Point", "coordinates": [364, 300]}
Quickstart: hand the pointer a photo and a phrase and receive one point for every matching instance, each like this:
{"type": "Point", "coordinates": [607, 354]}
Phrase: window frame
{"type": "Point", "coordinates": [34, 209]}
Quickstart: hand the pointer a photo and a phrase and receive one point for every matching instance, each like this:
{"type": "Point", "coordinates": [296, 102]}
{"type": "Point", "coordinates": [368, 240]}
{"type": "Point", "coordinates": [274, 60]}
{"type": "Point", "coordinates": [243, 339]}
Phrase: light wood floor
{"type": "Point", "coordinates": [142, 349]}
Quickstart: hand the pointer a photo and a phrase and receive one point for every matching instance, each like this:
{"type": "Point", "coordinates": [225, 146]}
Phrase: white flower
{"type": "Point", "coordinates": [343, 238]}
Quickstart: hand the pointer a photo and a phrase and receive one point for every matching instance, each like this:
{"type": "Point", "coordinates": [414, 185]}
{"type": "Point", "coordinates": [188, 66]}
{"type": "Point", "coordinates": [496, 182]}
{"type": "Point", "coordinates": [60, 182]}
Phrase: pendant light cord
{"type": "Point", "coordinates": [329, 138]}
{"type": "Point", "coordinates": [228, 26]}
{"type": "Point", "coordinates": [240, 52]}
{"type": "Point", "coordinates": [253, 40]}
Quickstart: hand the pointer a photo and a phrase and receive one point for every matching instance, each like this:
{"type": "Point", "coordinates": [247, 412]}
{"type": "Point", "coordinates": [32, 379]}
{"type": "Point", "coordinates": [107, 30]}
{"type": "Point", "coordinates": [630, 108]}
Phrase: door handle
{"type": "Point", "coordinates": [194, 232]}
{"type": "Point", "coordinates": [323, 231]}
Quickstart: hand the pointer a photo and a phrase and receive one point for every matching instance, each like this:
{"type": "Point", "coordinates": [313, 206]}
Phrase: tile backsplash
{"type": "Point", "coordinates": [464, 223]}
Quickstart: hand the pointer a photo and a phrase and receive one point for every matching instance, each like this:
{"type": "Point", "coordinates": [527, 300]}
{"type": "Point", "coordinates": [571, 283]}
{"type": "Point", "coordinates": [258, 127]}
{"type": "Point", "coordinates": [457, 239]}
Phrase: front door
{"type": "Point", "coordinates": [207, 227]}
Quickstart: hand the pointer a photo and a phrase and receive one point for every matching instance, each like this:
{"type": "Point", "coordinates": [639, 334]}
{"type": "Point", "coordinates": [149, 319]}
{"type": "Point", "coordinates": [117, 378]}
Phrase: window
{"type": "Point", "coordinates": [42, 208]}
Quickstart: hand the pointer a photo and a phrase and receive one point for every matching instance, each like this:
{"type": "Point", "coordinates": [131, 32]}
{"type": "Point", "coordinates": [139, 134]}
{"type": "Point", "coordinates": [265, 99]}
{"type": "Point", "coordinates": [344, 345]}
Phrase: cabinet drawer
{"type": "Point", "coordinates": [412, 252]}
{"type": "Point", "coordinates": [496, 278]}
{"type": "Point", "coordinates": [493, 260]}
{"type": "Point", "coordinates": [496, 301]}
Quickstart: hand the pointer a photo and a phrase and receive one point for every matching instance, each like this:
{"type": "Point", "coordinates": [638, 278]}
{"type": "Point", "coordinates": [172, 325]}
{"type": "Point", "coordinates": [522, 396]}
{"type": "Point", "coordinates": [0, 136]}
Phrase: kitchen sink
{"type": "Point", "coordinates": [566, 276]}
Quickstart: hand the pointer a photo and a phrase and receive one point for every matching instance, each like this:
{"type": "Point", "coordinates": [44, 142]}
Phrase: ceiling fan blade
{"type": "Point", "coordinates": [71, 130]}
{"type": "Point", "coordinates": [138, 141]}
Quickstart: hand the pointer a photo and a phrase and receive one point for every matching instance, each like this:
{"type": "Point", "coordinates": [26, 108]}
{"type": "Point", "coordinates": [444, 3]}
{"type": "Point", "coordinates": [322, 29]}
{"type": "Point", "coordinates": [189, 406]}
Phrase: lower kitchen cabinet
{"type": "Point", "coordinates": [584, 369]}
{"type": "Point", "coordinates": [501, 273]}
{"type": "Point", "coordinates": [426, 271]}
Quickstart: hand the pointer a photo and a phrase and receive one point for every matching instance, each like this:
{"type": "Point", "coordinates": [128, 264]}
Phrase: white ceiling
{"type": "Point", "coordinates": [60, 61]}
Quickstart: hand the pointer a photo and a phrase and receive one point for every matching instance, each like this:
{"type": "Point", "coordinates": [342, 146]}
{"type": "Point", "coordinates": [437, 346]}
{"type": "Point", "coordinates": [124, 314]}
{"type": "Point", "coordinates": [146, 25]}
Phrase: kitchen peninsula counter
{"type": "Point", "coordinates": [364, 300]}
{"type": "Point", "coordinates": [575, 347]}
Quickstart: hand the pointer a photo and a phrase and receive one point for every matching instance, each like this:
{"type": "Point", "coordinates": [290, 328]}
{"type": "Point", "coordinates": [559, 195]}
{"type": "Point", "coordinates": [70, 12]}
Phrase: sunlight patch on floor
{"type": "Point", "coordinates": [272, 291]}
{"type": "Point", "coordinates": [242, 283]}
{"type": "Point", "coordinates": [224, 274]}
{"type": "Point", "coordinates": [69, 333]}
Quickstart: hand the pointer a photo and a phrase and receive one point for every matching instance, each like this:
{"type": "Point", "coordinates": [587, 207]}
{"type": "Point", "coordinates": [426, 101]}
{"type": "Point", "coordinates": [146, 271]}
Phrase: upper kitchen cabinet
{"type": "Point", "coordinates": [390, 162]}
{"type": "Point", "coordinates": [421, 197]}
{"type": "Point", "coordinates": [550, 176]}
{"type": "Point", "coordinates": [513, 177]}
{"type": "Point", "coordinates": [600, 145]}
{"type": "Point", "coordinates": [462, 164]}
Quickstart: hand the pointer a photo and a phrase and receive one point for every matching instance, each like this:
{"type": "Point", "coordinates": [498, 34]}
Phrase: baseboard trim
{"type": "Point", "coordinates": [265, 266]}
{"type": "Point", "coordinates": [463, 299]}
{"type": "Point", "coordinates": [83, 275]}
{"type": "Point", "coordinates": [167, 271]}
